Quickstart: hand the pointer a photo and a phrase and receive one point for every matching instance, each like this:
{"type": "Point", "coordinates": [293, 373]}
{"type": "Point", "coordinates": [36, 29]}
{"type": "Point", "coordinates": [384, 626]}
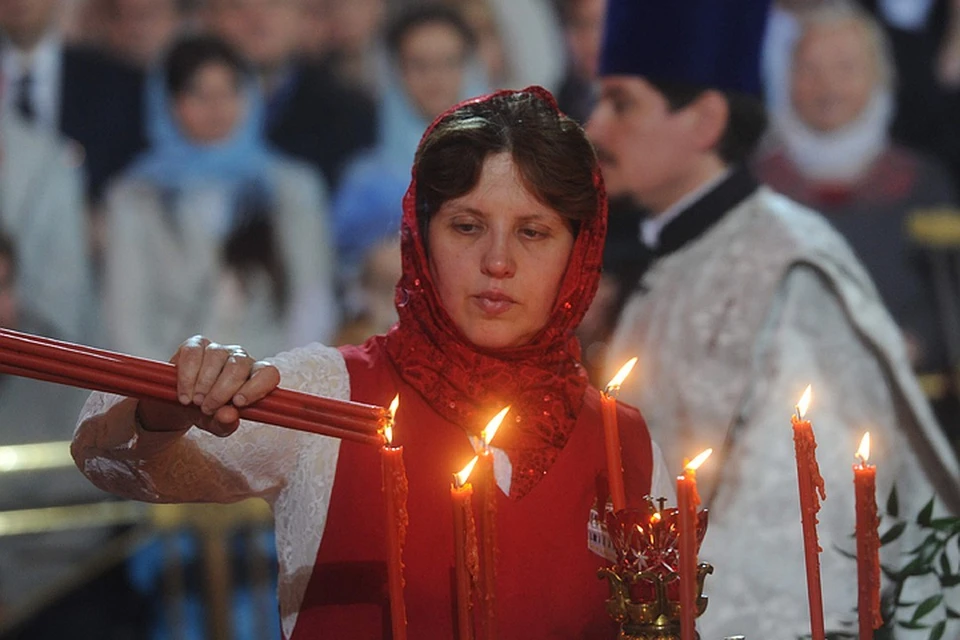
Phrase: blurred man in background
{"type": "Point", "coordinates": [748, 298]}
{"type": "Point", "coordinates": [310, 114]}
{"type": "Point", "coordinates": [137, 31]}
{"type": "Point", "coordinates": [41, 210]}
{"type": "Point", "coordinates": [87, 97]}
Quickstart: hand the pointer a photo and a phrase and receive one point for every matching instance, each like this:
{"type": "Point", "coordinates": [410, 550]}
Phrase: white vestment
{"type": "Point", "coordinates": [729, 330]}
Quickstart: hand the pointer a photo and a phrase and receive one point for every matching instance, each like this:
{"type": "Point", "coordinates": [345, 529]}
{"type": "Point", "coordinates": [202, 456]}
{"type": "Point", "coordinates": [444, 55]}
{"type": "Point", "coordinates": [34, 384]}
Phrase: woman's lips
{"type": "Point", "coordinates": [494, 302]}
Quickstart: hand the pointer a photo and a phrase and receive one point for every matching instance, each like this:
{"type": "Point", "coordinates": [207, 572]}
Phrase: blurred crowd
{"type": "Point", "coordinates": [156, 154]}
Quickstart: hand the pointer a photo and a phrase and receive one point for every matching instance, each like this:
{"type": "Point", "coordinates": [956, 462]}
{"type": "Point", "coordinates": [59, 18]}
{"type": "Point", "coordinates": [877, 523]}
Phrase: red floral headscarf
{"type": "Point", "coordinates": [542, 381]}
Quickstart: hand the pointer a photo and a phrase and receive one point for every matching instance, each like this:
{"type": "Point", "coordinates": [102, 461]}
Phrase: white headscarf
{"type": "Point", "coordinates": [844, 154]}
{"type": "Point", "coordinates": [841, 155]}
{"type": "Point", "coordinates": [909, 15]}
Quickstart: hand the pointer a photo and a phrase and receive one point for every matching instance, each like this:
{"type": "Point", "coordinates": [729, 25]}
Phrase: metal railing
{"type": "Point", "coordinates": [213, 525]}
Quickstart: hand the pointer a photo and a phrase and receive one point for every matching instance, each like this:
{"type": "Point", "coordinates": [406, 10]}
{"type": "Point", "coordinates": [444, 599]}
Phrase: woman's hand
{"type": "Point", "coordinates": [213, 382]}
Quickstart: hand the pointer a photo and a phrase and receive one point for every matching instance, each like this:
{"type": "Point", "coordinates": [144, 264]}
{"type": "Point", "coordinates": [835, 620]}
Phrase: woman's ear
{"type": "Point", "coordinates": [712, 115]}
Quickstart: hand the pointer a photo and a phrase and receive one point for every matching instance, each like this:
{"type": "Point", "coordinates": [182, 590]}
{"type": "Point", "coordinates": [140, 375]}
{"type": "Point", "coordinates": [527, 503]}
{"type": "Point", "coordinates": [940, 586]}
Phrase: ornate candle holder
{"type": "Point", "coordinates": [645, 581]}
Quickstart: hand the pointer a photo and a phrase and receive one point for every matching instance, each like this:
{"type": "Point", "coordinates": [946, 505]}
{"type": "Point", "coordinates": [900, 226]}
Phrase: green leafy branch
{"type": "Point", "coordinates": [929, 558]}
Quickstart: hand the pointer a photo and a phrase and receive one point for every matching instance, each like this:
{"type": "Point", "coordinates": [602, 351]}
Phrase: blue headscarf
{"type": "Point", "coordinates": [174, 162]}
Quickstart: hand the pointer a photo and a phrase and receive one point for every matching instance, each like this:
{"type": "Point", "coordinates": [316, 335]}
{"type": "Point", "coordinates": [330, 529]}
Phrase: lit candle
{"type": "Point", "coordinates": [464, 547]}
{"type": "Point", "coordinates": [868, 542]}
{"type": "Point", "coordinates": [687, 502]}
{"type": "Point", "coordinates": [488, 530]}
{"type": "Point", "coordinates": [395, 502]}
{"type": "Point", "coordinates": [811, 493]}
{"type": "Point", "coordinates": [611, 434]}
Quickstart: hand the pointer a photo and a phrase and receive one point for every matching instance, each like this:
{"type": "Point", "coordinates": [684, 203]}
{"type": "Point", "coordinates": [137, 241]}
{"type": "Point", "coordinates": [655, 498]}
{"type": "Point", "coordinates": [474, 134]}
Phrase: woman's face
{"type": "Point", "coordinates": [497, 256]}
{"type": "Point", "coordinates": [834, 74]}
{"type": "Point", "coordinates": [211, 105]}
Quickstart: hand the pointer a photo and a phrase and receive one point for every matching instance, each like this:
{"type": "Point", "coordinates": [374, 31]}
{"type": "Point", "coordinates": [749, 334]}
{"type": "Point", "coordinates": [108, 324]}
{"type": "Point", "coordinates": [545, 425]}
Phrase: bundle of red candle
{"type": "Point", "coordinates": [31, 356]}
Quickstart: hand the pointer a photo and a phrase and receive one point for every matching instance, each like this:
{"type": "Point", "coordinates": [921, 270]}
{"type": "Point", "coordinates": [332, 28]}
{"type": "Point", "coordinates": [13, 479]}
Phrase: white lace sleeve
{"type": "Point", "coordinates": [195, 466]}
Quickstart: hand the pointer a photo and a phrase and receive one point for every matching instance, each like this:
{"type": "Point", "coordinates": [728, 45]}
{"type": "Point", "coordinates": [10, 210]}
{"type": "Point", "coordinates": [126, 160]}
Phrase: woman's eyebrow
{"type": "Point", "coordinates": [463, 208]}
{"type": "Point", "coordinates": [536, 216]}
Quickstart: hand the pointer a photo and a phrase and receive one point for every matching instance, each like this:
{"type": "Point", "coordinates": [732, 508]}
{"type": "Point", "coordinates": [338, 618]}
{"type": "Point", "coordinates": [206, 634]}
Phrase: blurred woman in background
{"type": "Point", "coordinates": [211, 213]}
{"type": "Point", "coordinates": [833, 152]}
{"type": "Point", "coordinates": [431, 48]}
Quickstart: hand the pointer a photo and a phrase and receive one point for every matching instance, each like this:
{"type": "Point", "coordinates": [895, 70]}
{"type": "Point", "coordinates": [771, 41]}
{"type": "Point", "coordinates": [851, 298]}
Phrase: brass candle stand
{"type": "Point", "coordinates": [644, 581]}
{"type": "Point", "coordinates": [657, 619]}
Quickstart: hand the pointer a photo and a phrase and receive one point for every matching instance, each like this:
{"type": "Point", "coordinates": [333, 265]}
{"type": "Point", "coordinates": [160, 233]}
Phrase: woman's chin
{"type": "Point", "coordinates": [502, 337]}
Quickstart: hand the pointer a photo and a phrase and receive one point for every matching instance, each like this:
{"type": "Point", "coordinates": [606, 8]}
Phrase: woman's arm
{"type": "Point", "coordinates": [158, 460]}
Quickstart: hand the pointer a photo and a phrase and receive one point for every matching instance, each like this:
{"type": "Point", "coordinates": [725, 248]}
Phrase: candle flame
{"type": "Point", "coordinates": [617, 380]}
{"type": "Point", "coordinates": [694, 464]}
{"type": "Point", "coordinates": [490, 430]}
{"type": "Point", "coordinates": [804, 403]}
{"type": "Point", "coordinates": [388, 427]}
{"type": "Point", "coordinates": [864, 451]}
{"type": "Point", "coordinates": [655, 518]}
{"type": "Point", "coordinates": [464, 475]}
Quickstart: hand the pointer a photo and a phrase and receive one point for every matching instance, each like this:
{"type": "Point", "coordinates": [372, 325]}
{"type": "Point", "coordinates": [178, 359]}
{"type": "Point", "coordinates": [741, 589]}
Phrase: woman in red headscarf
{"type": "Point", "coordinates": [503, 232]}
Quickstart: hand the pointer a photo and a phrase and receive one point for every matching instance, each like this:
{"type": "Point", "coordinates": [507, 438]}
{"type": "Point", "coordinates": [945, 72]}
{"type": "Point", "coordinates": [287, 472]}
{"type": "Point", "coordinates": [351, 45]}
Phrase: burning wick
{"type": "Point", "coordinates": [388, 427]}
{"type": "Point", "coordinates": [614, 385]}
{"type": "Point", "coordinates": [864, 451]}
{"type": "Point", "coordinates": [804, 402]}
{"type": "Point", "coordinates": [492, 427]}
{"type": "Point", "coordinates": [460, 479]}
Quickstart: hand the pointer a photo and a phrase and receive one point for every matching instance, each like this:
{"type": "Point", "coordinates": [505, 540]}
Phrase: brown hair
{"type": "Point", "coordinates": [556, 161]}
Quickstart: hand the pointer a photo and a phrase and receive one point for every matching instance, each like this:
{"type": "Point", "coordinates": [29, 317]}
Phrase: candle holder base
{"type": "Point", "coordinates": [668, 632]}
{"type": "Point", "coordinates": [646, 604]}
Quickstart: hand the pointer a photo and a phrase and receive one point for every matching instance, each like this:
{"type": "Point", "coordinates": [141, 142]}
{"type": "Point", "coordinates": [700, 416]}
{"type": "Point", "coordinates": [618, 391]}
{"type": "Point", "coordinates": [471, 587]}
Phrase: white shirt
{"type": "Point", "coordinates": [44, 63]}
{"type": "Point", "coordinates": [652, 227]}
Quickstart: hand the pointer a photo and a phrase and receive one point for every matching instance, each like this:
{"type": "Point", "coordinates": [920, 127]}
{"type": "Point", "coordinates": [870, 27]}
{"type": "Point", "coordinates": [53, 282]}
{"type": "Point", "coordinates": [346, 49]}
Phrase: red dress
{"type": "Point", "coordinates": [547, 585]}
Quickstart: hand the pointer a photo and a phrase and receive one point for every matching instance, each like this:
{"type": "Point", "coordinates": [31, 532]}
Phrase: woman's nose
{"type": "Point", "coordinates": [498, 261]}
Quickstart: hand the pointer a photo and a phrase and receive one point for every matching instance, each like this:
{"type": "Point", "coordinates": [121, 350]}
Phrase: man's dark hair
{"type": "Point", "coordinates": [420, 15]}
{"type": "Point", "coordinates": [745, 125]}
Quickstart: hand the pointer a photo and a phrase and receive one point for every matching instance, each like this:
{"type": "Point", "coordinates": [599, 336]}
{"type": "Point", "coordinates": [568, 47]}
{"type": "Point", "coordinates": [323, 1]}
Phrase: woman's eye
{"type": "Point", "coordinates": [465, 227]}
{"type": "Point", "coordinates": [533, 234]}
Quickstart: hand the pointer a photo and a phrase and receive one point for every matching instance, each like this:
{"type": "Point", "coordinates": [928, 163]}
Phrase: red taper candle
{"type": "Point", "coordinates": [687, 502]}
{"type": "Point", "coordinates": [395, 509]}
{"type": "Point", "coordinates": [812, 491]}
{"type": "Point", "coordinates": [868, 542]}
